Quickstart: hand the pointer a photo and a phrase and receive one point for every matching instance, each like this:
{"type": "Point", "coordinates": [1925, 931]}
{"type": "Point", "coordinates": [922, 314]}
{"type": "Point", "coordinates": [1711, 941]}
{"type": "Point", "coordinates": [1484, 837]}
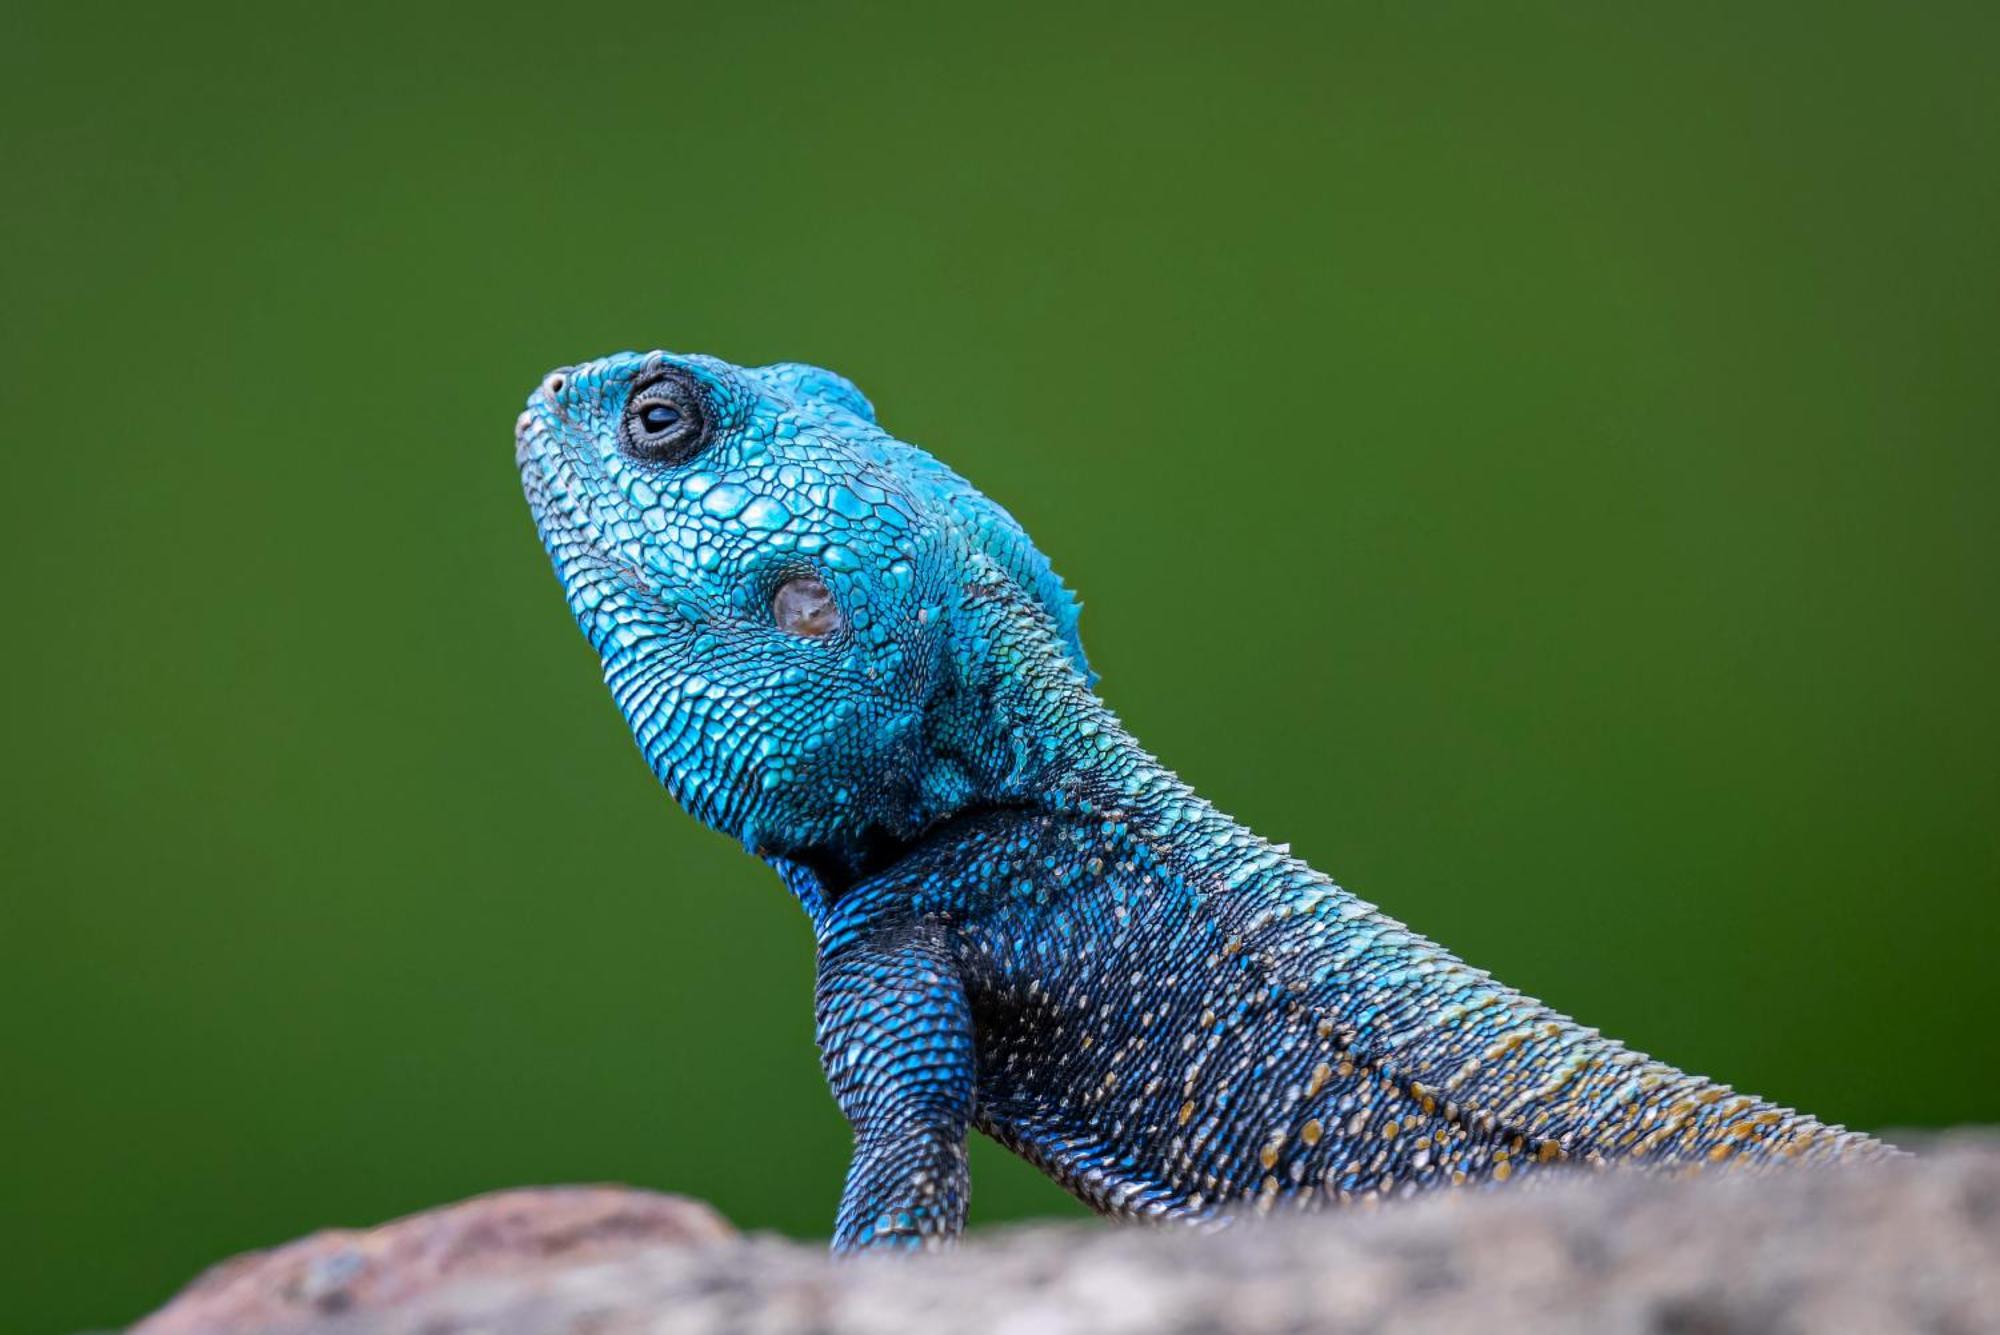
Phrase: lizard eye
{"type": "Point", "coordinates": [804, 606]}
{"type": "Point", "coordinates": [666, 421]}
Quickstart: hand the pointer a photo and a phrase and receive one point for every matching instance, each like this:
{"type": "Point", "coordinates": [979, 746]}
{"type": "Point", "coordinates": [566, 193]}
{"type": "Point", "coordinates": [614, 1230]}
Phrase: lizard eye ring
{"type": "Point", "coordinates": [666, 421]}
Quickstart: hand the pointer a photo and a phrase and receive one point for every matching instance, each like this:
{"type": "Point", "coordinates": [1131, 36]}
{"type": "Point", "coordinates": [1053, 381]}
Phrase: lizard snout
{"type": "Point", "coordinates": [546, 398]}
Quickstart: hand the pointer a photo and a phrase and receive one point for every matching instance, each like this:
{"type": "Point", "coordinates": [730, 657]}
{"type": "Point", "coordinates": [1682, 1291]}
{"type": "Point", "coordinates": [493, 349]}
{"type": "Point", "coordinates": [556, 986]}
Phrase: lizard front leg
{"type": "Point", "coordinates": [895, 1037]}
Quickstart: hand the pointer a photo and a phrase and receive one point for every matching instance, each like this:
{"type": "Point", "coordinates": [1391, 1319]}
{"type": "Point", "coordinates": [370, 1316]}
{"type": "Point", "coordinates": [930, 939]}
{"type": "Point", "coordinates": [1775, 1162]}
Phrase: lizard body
{"type": "Point", "coordinates": [836, 650]}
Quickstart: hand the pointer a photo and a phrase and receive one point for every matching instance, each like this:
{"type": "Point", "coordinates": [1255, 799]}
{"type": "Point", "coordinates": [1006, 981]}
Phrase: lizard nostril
{"type": "Point", "coordinates": [553, 382]}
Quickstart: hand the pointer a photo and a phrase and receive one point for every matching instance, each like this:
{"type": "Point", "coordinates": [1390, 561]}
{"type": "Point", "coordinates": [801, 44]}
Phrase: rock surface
{"type": "Point", "coordinates": [1907, 1246]}
{"type": "Point", "coordinates": [507, 1237]}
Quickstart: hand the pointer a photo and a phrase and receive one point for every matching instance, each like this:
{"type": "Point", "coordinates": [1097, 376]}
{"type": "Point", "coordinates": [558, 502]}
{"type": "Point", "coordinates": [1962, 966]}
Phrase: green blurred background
{"type": "Point", "coordinates": [1541, 461]}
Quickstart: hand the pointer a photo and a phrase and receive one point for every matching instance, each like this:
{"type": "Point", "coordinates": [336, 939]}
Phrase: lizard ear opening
{"type": "Point", "coordinates": [805, 607]}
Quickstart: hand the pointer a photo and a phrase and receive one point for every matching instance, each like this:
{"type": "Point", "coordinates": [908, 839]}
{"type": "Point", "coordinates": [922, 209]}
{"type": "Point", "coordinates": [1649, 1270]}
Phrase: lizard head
{"type": "Point", "coordinates": [778, 590]}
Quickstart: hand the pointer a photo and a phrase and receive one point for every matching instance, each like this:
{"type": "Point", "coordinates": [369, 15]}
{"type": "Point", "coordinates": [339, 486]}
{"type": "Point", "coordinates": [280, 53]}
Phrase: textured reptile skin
{"type": "Point", "coordinates": [1025, 923]}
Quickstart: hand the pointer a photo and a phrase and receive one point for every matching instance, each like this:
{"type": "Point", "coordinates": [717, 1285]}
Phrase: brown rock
{"type": "Point", "coordinates": [513, 1233]}
{"type": "Point", "coordinates": [1912, 1245]}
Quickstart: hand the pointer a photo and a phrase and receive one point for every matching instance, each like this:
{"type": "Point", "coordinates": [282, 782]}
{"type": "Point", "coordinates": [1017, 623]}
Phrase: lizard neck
{"type": "Point", "coordinates": [1023, 725]}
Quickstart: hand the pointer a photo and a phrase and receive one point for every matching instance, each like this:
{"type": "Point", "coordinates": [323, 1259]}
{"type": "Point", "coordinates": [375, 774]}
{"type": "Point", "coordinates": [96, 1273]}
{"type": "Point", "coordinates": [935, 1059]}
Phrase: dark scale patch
{"type": "Point", "coordinates": [1189, 1036]}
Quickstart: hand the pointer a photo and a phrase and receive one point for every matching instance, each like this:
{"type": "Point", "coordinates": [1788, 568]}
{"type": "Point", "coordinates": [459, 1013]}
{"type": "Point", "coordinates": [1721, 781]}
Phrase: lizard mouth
{"type": "Point", "coordinates": [571, 502]}
{"type": "Point", "coordinates": [532, 434]}
{"type": "Point", "coordinates": [524, 436]}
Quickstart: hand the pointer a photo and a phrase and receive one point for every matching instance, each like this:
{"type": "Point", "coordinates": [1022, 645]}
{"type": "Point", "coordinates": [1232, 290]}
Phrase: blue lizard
{"type": "Point", "coordinates": [833, 648]}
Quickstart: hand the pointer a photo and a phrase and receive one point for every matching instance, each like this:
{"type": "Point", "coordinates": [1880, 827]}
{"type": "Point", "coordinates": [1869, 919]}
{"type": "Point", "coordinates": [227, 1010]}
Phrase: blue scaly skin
{"type": "Point", "coordinates": [833, 648]}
